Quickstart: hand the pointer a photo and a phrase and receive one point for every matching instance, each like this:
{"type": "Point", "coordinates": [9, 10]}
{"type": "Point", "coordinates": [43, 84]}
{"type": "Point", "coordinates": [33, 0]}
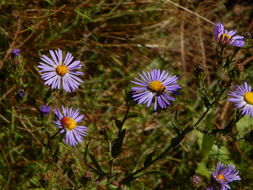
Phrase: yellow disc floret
{"type": "Point", "coordinates": [221, 177]}
{"type": "Point", "coordinates": [225, 38]}
{"type": "Point", "coordinates": [248, 97]}
{"type": "Point", "coordinates": [156, 86]}
{"type": "Point", "coordinates": [68, 123]}
{"type": "Point", "coordinates": [62, 70]}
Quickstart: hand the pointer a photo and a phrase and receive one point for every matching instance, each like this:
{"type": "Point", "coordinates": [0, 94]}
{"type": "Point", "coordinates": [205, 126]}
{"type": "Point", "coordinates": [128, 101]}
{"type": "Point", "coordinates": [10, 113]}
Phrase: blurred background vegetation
{"type": "Point", "coordinates": [115, 39]}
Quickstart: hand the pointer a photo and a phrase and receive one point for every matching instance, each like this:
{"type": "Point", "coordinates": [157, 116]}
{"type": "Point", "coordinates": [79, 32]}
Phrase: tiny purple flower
{"type": "Point", "coordinates": [157, 85]}
{"type": "Point", "coordinates": [227, 37]}
{"type": "Point", "coordinates": [195, 180]}
{"type": "Point", "coordinates": [58, 72]}
{"type": "Point", "coordinates": [21, 93]}
{"type": "Point", "coordinates": [45, 110]}
{"type": "Point", "coordinates": [225, 174]}
{"type": "Point", "coordinates": [210, 188]}
{"type": "Point", "coordinates": [242, 97]}
{"type": "Point", "coordinates": [66, 121]}
{"type": "Point", "coordinates": [15, 52]}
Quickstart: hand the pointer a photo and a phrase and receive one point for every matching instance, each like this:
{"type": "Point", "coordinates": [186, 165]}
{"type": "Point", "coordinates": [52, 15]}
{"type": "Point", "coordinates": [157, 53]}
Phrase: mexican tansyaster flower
{"type": "Point", "coordinates": [195, 180]}
{"type": "Point", "coordinates": [45, 110]}
{"type": "Point", "coordinates": [242, 96]}
{"type": "Point", "coordinates": [227, 37]}
{"type": "Point", "coordinates": [210, 188]}
{"type": "Point", "coordinates": [21, 94]}
{"type": "Point", "coordinates": [224, 175]}
{"type": "Point", "coordinates": [157, 85]}
{"type": "Point", "coordinates": [15, 52]}
{"type": "Point", "coordinates": [57, 72]}
{"type": "Point", "coordinates": [66, 121]}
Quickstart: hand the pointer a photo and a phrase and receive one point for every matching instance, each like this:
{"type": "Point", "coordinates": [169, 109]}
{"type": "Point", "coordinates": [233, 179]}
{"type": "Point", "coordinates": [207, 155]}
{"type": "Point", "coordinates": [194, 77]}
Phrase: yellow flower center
{"type": "Point", "coordinates": [68, 123]}
{"type": "Point", "coordinates": [248, 97]}
{"type": "Point", "coordinates": [225, 38]}
{"type": "Point", "coordinates": [221, 177]}
{"type": "Point", "coordinates": [62, 70]}
{"type": "Point", "coordinates": [156, 86]}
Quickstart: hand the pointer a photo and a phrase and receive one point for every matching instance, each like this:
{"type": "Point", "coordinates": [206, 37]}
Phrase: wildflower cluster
{"type": "Point", "coordinates": [63, 72]}
{"type": "Point", "coordinates": [156, 89]}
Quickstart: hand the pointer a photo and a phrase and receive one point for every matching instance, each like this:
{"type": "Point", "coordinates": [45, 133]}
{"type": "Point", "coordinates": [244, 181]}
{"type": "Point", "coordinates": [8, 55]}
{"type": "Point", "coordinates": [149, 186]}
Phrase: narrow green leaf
{"type": "Point", "coordinates": [155, 172]}
{"type": "Point", "coordinates": [201, 169]}
{"type": "Point", "coordinates": [207, 145]}
{"type": "Point", "coordinates": [244, 125]}
{"type": "Point", "coordinates": [118, 123]}
{"type": "Point", "coordinates": [86, 151]}
{"type": "Point", "coordinates": [56, 153]}
{"type": "Point", "coordinates": [95, 162]}
{"type": "Point", "coordinates": [117, 144]}
{"type": "Point", "coordinates": [148, 159]}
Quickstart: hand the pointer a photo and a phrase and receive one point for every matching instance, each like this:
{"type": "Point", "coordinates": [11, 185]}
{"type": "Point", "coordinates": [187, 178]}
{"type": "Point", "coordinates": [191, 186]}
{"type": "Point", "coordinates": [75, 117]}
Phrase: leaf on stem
{"type": "Point", "coordinates": [148, 159]}
{"type": "Point", "coordinates": [118, 124]}
{"type": "Point", "coordinates": [117, 144]}
{"type": "Point", "coordinates": [95, 162]}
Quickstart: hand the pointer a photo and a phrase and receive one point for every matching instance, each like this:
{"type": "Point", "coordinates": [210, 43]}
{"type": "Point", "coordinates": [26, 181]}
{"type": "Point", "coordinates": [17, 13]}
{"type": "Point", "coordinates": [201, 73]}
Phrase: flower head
{"type": "Point", "coordinates": [211, 188]}
{"type": "Point", "coordinates": [15, 52]}
{"type": "Point", "coordinates": [57, 72]}
{"type": "Point", "coordinates": [225, 174]}
{"type": "Point", "coordinates": [157, 85]}
{"type": "Point", "coordinates": [242, 96]}
{"type": "Point", "coordinates": [45, 110]}
{"type": "Point", "coordinates": [67, 121]}
{"type": "Point", "coordinates": [20, 94]}
{"type": "Point", "coordinates": [227, 37]}
{"type": "Point", "coordinates": [195, 179]}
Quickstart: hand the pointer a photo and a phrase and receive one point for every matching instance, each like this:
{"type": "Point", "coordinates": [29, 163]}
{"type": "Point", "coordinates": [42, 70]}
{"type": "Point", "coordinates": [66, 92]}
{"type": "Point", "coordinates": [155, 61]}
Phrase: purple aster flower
{"type": "Point", "coordinates": [227, 37]}
{"type": "Point", "coordinates": [157, 85]}
{"type": "Point", "coordinates": [210, 188]}
{"type": "Point", "coordinates": [57, 72]}
{"type": "Point", "coordinates": [15, 52]}
{"type": "Point", "coordinates": [195, 180]}
{"type": "Point", "coordinates": [45, 110]}
{"type": "Point", "coordinates": [242, 96]}
{"type": "Point", "coordinates": [20, 93]}
{"type": "Point", "coordinates": [224, 175]}
{"type": "Point", "coordinates": [67, 121]}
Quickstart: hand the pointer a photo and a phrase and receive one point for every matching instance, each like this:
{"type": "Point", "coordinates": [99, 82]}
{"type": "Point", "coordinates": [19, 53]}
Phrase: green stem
{"type": "Point", "coordinates": [226, 65]}
{"type": "Point", "coordinates": [126, 115]}
{"type": "Point", "coordinates": [175, 141]}
{"type": "Point", "coordinates": [220, 55]}
{"type": "Point", "coordinates": [111, 166]}
{"type": "Point", "coordinates": [117, 143]}
{"type": "Point", "coordinates": [54, 135]}
{"type": "Point", "coordinates": [173, 145]}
